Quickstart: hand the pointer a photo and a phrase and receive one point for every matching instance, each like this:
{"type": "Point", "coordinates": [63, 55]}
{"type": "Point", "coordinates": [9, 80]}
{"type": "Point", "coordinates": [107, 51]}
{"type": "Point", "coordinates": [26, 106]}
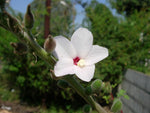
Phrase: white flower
{"type": "Point", "coordinates": [78, 56]}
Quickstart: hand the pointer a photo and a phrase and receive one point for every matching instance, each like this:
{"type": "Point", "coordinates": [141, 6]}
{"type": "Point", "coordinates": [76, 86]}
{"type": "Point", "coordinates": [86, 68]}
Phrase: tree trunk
{"type": "Point", "coordinates": [47, 19]}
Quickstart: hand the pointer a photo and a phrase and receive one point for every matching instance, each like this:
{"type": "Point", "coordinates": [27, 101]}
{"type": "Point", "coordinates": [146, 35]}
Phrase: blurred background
{"type": "Point", "coordinates": [122, 26]}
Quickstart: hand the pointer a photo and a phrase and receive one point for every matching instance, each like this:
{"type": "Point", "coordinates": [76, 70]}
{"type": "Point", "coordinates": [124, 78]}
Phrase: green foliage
{"type": "Point", "coordinates": [122, 93]}
{"type": "Point", "coordinates": [2, 4]}
{"type": "Point", "coordinates": [106, 93]}
{"type": "Point", "coordinates": [21, 80]}
{"type": "Point", "coordinates": [7, 94]}
{"type": "Point", "coordinates": [55, 109]}
{"type": "Point", "coordinates": [106, 98]}
{"type": "Point", "coordinates": [122, 38]}
{"type": "Point", "coordinates": [30, 74]}
{"type": "Point", "coordinates": [31, 77]}
{"type": "Point", "coordinates": [103, 27]}
{"type": "Point", "coordinates": [130, 6]}
{"type": "Point", "coordinates": [127, 40]}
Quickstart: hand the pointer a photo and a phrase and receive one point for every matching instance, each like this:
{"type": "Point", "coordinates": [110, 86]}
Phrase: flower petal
{"type": "Point", "coordinates": [64, 48]}
{"type": "Point", "coordinates": [85, 73]}
{"type": "Point", "coordinates": [82, 39]}
{"type": "Point", "coordinates": [96, 54]}
{"type": "Point", "coordinates": [64, 67]}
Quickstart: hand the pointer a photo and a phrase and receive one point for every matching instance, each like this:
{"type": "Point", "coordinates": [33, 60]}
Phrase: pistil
{"type": "Point", "coordinates": [79, 62]}
{"type": "Point", "coordinates": [76, 60]}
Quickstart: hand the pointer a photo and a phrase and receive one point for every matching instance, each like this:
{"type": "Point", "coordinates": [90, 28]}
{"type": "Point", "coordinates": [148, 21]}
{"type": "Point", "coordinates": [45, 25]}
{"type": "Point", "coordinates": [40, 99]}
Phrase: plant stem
{"type": "Point", "coordinates": [81, 91]}
{"type": "Point", "coordinates": [11, 24]}
{"type": "Point", "coordinates": [38, 49]}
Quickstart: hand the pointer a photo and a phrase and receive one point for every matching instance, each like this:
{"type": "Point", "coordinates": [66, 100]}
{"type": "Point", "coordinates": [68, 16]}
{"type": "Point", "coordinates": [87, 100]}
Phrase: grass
{"type": "Point", "coordinates": [7, 94]}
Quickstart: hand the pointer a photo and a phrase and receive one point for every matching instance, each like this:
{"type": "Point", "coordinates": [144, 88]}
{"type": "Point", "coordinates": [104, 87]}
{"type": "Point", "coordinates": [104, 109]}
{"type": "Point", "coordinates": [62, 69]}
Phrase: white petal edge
{"type": "Point", "coordinates": [82, 39]}
{"type": "Point", "coordinates": [64, 48]}
{"type": "Point", "coordinates": [85, 73]}
{"type": "Point", "coordinates": [96, 54]}
{"type": "Point", "coordinates": [64, 67]}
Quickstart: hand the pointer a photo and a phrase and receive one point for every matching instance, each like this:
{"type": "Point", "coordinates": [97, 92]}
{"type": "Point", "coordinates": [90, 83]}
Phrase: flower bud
{"type": "Point", "coordinates": [29, 19]}
{"type": "Point", "coordinates": [19, 48]}
{"type": "Point", "coordinates": [106, 87]}
{"type": "Point", "coordinates": [88, 90]}
{"type": "Point", "coordinates": [117, 106]}
{"type": "Point", "coordinates": [96, 86]}
{"type": "Point", "coordinates": [87, 109]}
{"type": "Point", "coordinates": [62, 84]}
{"type": "Point", "coordinates": [49, 44]}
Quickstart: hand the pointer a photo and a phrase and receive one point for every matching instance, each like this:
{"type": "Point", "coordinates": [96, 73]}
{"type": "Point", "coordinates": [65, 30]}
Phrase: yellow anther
{"type": "Point", "coordinates": [81, 63]}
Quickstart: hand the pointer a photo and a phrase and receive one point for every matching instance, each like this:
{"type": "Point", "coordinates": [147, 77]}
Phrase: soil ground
{"type": "Point", "coordinates": [16, 107]}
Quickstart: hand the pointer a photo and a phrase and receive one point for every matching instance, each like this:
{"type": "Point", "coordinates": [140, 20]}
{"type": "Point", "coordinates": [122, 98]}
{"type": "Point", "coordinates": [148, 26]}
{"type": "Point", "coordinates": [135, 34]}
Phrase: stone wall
{"type": "Point", "coordinates": [137, 87]}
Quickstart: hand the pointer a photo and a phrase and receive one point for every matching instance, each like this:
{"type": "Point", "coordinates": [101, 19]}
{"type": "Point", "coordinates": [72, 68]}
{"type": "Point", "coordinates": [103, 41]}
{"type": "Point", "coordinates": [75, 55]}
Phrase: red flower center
{"type": "Point", "coordinates": [76, 60]}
